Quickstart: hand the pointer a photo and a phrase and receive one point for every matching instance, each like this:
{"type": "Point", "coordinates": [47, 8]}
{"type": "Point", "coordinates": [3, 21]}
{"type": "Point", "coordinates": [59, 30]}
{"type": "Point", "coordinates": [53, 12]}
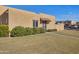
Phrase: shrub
{"type": "Point", "coordinates": [42, 30]}
{"type": "Point", "coordinates": [29, 31]}
{"type": "Point", "coordinates": [51, 30]}
{"type": "Point", "coordinates": [4, 31]}
{"type": "Point", "coordinates": [18, 31]}
{"type": "Point", "coordinates": [36, 30]}
{"type": "Point", "coordinates": [21, 31]}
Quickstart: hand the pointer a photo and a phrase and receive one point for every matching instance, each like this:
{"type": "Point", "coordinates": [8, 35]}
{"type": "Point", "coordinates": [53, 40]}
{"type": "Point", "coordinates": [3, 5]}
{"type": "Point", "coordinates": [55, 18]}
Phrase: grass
{"type": "Point", "coordinates": [70, 33]}
{"type": "Point", "coordinates": [52, 42]}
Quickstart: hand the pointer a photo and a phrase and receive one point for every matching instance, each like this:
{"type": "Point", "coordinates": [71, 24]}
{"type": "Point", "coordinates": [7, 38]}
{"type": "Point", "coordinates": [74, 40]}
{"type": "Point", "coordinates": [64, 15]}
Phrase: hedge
{"type": "Point", "coordinates": [18, 31]}
{"type": "Point", "coordinates": [29, 31]}
{"type": "Point", "coordinates": [4, 31]}
{"type": "Point", "coordinates": [42, 30]}
{"type": "Point", "coordinates": [36, 30]}
{"type": "Point", "coordinates": [21, 31]}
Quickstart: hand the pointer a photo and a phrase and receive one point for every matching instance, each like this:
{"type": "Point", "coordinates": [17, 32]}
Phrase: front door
{"type": "Point", "coordinates": [44, 24]}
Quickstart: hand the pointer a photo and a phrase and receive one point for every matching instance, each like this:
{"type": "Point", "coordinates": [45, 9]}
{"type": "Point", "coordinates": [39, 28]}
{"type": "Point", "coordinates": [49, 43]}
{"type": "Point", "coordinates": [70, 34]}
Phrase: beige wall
{"type": "Point", "coordinates": [59, 27]}
{"type": "Point", "coordinates": [2, 9]}
{"type": "Point", "coordinates": [51, 24]}
{"type": "Point", "coordinates": [20, 18]}
{"type": "Point", "coordinates": [25, 18]}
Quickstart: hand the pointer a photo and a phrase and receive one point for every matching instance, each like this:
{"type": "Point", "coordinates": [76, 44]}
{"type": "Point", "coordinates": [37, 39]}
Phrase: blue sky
{"type": "Point", "coordinates": [62, 12]}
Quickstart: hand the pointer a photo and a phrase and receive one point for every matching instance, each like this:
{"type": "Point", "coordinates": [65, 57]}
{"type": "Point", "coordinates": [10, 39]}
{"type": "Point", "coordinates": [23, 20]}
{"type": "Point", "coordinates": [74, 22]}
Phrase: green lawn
{"type": "Point", "coordinates": [52, 42]}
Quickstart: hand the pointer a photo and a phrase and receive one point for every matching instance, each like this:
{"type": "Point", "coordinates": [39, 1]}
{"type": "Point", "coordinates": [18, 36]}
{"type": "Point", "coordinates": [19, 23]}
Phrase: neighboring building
{"type": "Point", "coordinates": [16, 17]}
{"type": "Point", "coordinates": [73, 22]}
{"type": "Point", "coordinates": [69, 24]}
{"type": "Point", "coordinates": [77, 23]}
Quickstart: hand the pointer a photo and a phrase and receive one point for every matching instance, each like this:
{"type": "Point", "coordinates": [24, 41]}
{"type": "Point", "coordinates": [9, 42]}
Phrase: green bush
{"type": "Point", "coordinates": [4, 31]}
{"type": "Point", "coordinates": [42, 30]}
{"type": "Point", "coordinates": [18, 31]}
{"type": "Point", "coordinates": [21, 31]}
{"type": "Point", "coordinates": [51, 30]}
{"type": "Point", "coordinates": [29, 31]}
{"type": "Point", "coordinates": [36, 30]}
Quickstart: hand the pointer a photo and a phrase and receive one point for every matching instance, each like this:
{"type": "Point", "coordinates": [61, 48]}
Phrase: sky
{"type": "Point", "coordinates": [61, 12]}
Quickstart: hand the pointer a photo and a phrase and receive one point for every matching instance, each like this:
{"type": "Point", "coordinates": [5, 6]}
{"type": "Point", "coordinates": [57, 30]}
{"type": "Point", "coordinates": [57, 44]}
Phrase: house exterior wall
{"type": "Point", "coordinates": [4, 18]}
{"type": "Point", "coordinates": [59, 27]}
{"type": "Point", "coordinates": [25, 19]}
{"type": "Point", "coordinates": [51, 24]}
{"type": "Point", "coordinates": [18, 17]}
{"type": "Point", "coordinates": [2, 9]}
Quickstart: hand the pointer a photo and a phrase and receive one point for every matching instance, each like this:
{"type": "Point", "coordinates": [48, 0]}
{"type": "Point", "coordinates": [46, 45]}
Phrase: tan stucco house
{"type": "Point", "coordinates": [16, 17]}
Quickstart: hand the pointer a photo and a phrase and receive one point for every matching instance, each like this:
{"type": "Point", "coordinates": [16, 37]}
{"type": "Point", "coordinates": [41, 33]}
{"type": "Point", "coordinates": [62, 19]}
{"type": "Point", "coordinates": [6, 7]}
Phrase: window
{"type": "Point", "coordinates": [35, 23]}
{"type": "Point", "coordinates": [4, 18]}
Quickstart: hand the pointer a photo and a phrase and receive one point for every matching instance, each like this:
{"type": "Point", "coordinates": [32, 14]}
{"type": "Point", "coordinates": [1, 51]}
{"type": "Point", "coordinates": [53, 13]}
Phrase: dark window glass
{"type": "Point", "coordinates": [4, 18]}
{"type": "Point", "coordinates": [35, 23]}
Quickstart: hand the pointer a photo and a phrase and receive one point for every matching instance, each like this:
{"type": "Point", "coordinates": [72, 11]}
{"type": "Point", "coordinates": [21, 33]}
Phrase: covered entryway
{"type": "Point", "coordinates": [44, 22]}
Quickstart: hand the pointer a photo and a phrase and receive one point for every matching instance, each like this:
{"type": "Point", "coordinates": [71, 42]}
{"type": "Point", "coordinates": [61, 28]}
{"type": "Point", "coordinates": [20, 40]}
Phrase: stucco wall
{"type": "Point", "coordinates": [25, 18]}
{"type": "Point", "coordinates": [59, 27]}
{"type": "Point", "coordinates": [2, 9]}
{"type": "Point", "coordinates": [51, 24]}
{"type": "Point", "coordinates": [20, 18]}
